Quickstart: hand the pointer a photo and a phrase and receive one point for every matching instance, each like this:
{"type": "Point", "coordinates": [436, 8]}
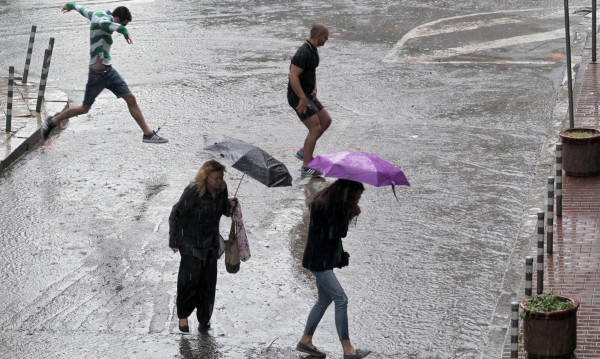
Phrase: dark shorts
{"type": "Point", "coordinates": [99, 80]}
{"type": "Point", "coordinates": [313, 107]}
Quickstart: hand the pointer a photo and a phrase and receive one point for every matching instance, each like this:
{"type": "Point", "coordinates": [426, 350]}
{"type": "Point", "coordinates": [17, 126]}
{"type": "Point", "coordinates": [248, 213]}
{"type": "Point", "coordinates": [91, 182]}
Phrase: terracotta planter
{"type": "Point", "coordinates": [580, 155]}
{"type": "Point", "coordinates": [551, 335]}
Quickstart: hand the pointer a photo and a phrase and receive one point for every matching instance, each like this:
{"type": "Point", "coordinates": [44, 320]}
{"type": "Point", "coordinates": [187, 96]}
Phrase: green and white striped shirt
{"type": "Point", "coordinates": [101, 28]}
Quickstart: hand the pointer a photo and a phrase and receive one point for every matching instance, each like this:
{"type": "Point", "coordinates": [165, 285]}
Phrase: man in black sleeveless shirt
{"type": "Point", "coordinates": [302, 94]}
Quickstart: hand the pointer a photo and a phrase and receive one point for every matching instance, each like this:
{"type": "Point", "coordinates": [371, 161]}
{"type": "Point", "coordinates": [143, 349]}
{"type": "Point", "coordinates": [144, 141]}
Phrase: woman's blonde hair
{"type": "Point", "coordinates": [207, 168]}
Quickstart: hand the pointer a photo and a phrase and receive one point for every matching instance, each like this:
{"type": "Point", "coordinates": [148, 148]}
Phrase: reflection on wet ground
{"type": "Point", "coordinates": [299, 232]}
{"type": "Point", "coordinates": [201, 346]}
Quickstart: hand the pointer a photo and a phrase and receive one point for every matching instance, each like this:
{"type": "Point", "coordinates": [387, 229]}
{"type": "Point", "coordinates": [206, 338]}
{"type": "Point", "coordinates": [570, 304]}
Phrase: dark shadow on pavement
{"type": "Point", "coordinates": [299, 232]}
{"type": "Point", "coordinates": [202, 345]}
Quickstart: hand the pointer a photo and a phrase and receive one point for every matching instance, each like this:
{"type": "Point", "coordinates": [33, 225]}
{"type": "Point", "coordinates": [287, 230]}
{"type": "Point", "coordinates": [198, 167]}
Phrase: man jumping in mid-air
{"type": "Point", "coordinates": [101, 73]}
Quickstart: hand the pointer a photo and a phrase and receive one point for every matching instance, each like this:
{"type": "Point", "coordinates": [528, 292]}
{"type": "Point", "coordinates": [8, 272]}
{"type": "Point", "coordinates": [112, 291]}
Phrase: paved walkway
{"type": "Point", "coordinates": [574, 268]}
{"type": "Point", "coordinates": [25, 123]}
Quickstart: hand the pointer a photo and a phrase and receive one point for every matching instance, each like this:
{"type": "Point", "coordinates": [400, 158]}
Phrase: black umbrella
{"type": "Point", "coordinates": [248, 159]}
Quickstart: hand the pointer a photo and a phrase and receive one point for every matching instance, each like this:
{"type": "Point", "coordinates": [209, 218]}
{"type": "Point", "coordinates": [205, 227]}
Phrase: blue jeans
{"type": "Point", "coordinates": [99, 80]}
{"type": "Point", "coordinates": [329, 290]}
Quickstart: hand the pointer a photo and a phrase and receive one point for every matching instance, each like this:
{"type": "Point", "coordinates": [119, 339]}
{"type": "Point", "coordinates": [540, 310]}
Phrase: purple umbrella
{"type": "Point", "coordinates": [359, 166]}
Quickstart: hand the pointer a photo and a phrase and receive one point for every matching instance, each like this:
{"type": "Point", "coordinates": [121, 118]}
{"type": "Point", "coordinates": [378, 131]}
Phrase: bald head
{"type": "Point", "coordinates": [319, 34]}
{"type": "Point", "coordinates": [318, 29]}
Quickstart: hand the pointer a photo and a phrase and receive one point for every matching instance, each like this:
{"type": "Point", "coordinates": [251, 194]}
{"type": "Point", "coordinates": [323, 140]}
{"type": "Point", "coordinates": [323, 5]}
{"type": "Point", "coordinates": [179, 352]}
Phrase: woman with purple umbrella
{"type": "Point", "coordinates": [331, 211]}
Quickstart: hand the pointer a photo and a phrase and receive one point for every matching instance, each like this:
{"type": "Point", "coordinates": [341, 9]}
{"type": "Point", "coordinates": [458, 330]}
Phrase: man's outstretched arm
{"type": "Point", "coordinates": [108, 25]}
{"type": "Point", "coordinates": [83, 11]}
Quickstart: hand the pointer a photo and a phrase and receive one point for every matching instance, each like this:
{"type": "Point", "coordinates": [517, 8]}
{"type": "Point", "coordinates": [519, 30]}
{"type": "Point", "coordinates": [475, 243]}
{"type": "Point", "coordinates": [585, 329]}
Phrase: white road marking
{"type": "Point", "coordinates": [426, 30]}
{"type": "Point", "coordinates": [498, 62]}
{"type": "Point", "coordinates": [496, 44]}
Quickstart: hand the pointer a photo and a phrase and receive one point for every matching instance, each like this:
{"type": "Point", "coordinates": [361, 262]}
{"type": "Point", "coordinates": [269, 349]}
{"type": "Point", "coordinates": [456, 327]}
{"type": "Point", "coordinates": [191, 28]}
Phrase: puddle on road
{"type": "Point", "coordinates": [152, 189]}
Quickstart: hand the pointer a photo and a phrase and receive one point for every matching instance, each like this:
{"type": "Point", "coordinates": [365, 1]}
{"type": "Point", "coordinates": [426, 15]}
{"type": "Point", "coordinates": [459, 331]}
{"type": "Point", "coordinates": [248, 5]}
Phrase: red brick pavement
{"type": "Point", "coordinates": [574, 268]}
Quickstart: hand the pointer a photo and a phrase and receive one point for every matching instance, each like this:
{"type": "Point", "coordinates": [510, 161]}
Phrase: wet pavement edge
{"type": "Point", "coordinates": [24, 133]}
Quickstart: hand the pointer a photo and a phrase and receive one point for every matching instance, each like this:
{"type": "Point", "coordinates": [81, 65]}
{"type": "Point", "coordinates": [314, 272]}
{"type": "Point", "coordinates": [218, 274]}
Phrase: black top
{"type": "Point", "coordinates": [194, 222]}
{"type": "Point", "coordinates": [306, 58]}
{"type": "Point", "coordinates": [324, 243]}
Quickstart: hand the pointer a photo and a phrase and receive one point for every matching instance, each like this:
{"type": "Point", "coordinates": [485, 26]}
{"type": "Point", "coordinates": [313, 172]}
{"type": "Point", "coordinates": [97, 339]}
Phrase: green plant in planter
{"type": "Point", "coordinates": [546, 303]}
{"type": "Point", "coordinates": [581, 133]}
{"type": "Point", "coordinates": [580, 151]}
{"type": "Point", "coordinates": [549, 326]}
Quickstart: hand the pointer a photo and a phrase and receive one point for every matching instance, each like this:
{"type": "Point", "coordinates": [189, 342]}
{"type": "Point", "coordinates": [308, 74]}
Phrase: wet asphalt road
{"type": "Point", "coordinates": [458, 94]}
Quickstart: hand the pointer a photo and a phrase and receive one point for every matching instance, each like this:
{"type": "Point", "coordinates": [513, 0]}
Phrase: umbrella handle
{"type": "Point", "coordinates": [394, 191]}
{"type": "Point", "coordinates": [238, 187]}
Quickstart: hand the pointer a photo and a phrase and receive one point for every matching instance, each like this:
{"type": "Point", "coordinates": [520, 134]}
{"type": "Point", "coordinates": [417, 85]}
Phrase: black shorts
{"type": "Point", "coordinates": [313, 107]}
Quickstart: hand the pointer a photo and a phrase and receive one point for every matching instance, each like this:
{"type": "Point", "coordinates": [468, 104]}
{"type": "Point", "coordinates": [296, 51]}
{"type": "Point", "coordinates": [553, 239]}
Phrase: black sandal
{"type": "Point", "coordinates": [184, 328]}
{"type": "Point", "coordinates": [360, 353]}
{"type": "Point", "coordinates": [308, 350]}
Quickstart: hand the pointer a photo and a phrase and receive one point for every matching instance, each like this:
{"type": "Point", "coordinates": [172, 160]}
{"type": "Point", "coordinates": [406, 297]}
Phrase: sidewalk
{"type": "Point", "coordinates": [574, 268]}
{"type": "Point", "coordinates": [26, 122]}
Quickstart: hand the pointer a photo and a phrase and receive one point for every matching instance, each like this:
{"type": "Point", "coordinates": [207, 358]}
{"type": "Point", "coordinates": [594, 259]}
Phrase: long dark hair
{"type": "Point", "coordinates": [339, 199]}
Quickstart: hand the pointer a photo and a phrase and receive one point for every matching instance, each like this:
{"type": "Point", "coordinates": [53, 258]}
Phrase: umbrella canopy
{"type": "Point", "coordinates": [359, 166]}
{"type": "Point", "coordinates": [248, 159]}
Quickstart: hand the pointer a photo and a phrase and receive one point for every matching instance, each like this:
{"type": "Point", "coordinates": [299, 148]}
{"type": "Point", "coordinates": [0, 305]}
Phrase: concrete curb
{"type": "Point", "coordinates": [26, 122]}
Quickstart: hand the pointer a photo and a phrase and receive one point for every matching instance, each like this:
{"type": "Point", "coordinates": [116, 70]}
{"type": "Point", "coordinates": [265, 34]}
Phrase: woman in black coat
{"type": "Point", "coordinates": [194, 232]}
{"type": "Point", "coordinates": [331, 211]}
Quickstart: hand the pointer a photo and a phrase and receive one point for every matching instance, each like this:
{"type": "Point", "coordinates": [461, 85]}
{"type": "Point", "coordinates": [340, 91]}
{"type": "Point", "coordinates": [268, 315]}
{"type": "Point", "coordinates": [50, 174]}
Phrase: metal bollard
{"type": "Point", "coordinates": [9, 101]}
{"type": "Point", "coordinates": [44, 79]}
{"type": "Point", "coordinates": [559, 180]}
{"type": "Point", "coordinates": [528, 275]}
{"type": "Point", "coordinates": [42, 88]}
{"type": "Point", "coordinates": [550, 216]}
{"type": "Point", "coordinates": [29, 51]}
{"type": "Point", "coordinates": [51, 46]}
{"type": "Point", "coordinates": [540, 252]}
{"type": "Point", "coordinates": [514, 330]}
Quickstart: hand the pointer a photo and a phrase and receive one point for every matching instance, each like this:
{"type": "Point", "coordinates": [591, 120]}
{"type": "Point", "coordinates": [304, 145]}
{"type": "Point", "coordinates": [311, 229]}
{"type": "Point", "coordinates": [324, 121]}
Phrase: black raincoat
{"type": "Point", "coordinates": [324, 248]}
{"type": "Point", "coordinates": [194, 229]}
{"type": "Point", "coordinates": [194, 222]}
